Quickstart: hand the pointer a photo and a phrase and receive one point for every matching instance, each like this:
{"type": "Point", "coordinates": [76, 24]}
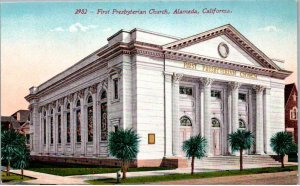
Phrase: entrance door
{"type": "Point", "coordinates": [185, 134]}
{"type": "Point", "coordinates": [216, 141]}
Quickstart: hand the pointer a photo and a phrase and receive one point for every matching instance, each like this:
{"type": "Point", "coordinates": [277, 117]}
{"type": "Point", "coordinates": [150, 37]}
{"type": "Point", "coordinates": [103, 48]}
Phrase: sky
{"type": "Point", "coordinates": [40, 40]}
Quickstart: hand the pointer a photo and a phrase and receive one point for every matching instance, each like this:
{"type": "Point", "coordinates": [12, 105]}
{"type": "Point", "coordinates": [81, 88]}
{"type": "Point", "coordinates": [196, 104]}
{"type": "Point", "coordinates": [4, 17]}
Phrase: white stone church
{"type": "Point", "coordinates": [166, 88]}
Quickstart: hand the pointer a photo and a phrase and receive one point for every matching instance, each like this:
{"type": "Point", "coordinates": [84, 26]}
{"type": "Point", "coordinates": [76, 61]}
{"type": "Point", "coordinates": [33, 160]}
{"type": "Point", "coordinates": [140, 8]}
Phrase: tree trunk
{"type": "Point", "coordinates": [124, 169]}
{"type": "Point", "coordinates": [22, 172]}
{"type": "Point", "coordinates": [8, 168]}
{"type": "Point", "coordinates": [282, 161]}
{"type": "Point", "coordinates": [241, 159]}
{"type": "Point", "coordinates": [192, 164]}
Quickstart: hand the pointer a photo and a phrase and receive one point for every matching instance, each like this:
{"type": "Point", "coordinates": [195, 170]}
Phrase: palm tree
{"type": "Point", "coordinates": [21, 160]}
{"type": "Point", "coordinates": [195, 147]}
{"type": "Point", "coordinates": [282, 144]}
{"type": "Point", "coordinates": [124, 145]}
{"type": "Point", "coordinates": [11, 142]}
{"type": "Point", "coordinates": [239, 141]}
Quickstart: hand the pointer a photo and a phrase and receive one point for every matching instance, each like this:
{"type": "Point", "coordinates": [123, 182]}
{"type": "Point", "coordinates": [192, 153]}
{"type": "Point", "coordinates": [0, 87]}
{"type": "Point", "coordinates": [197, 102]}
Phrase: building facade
{"type": "Point", "coordinates": [291, 110]}
{"type": "Point", "coordinates": [166, 88]}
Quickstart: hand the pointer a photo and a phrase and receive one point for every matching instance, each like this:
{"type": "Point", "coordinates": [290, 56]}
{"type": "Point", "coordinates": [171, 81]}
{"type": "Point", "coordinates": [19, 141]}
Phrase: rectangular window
{"type": "Point", "coordinates": [116, 88]}
{"type": "Point", "coordinates": [68, 128]}
{"type": "Point", "coordinates": [45, 131]}
{"type": "Point", "coordinates": [104, 121]}
{"type": "Point", "coordinates": [59, 128]}
{"type": "Point", "coordinates": [242, 97]}
{"type": "Point", "coordinates": [78, 128]}
{"type": "Point", "coordinates": [186, 90]}
{"type": "Point", "coordinates": [51, 130]}
{"type": "Point", "coordinates": [216, 94]}
{"type": "Point", "coordinates": [90, 123]}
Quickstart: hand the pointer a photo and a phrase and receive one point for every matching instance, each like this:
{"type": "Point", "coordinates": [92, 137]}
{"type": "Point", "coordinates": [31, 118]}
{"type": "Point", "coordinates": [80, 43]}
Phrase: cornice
{"type": "Point", "coordinates": [233, 34]}
{"type": "Point", "coordinates": [150, 50]}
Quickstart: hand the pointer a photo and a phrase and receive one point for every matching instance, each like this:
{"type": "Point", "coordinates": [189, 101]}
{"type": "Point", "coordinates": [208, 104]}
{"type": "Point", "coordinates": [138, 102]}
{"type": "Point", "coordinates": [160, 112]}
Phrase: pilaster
{"type": "Point", "coordinates": [175, 107]}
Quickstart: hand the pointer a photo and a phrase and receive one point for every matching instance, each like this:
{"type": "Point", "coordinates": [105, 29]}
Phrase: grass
{"type": "Point", "coordinates": [173, 177]}
{"type": "Point", "coordinates": [71, 169]}
{"type": "Point", "coordinates": [13, 178]}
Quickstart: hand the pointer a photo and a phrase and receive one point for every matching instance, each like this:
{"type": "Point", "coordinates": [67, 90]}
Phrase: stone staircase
{"type": "Point", "coordinates": [233, 162]}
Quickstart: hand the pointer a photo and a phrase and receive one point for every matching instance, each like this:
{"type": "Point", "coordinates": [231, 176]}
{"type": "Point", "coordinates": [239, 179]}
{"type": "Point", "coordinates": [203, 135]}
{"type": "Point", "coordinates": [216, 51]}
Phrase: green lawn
{"type": "Point", "coordinates": [172, 177]}
{"type": "Point", "coordinates": [13, 178]}
{"type": "Point", "coordinates": [71, 169]}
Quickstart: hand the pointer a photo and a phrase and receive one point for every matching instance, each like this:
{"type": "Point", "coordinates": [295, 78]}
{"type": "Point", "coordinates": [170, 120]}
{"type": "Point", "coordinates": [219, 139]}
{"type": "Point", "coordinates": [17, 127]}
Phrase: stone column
{"type": "Point", "coordinates": [175, 120]}
{"type": "Point", "coordinates": [235, 105]}
{"type": "Point", "coordinates": [35, 124]}
{"type": "Point", "coordinates": [207, 82]}
{"type": "Point", "coordinates": [94, 122]}
{"type": "Point", "coordinates": [259, 119]}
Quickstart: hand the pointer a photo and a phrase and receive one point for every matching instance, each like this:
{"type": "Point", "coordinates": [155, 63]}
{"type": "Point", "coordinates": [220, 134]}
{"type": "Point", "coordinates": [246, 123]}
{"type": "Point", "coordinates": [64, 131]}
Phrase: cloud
{"type": "Point", "coordinates": [270, 28]}
{"type": "Point", "coordinates": [57, 29]}
{"type": "Point", "coordinates": [77, 27]}
{"type": "Point", "coordinates": [106, 29]}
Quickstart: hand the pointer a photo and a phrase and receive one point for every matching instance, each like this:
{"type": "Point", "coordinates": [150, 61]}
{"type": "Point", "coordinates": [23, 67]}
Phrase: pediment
{"type": "Point", "coordinates": [240, 49]}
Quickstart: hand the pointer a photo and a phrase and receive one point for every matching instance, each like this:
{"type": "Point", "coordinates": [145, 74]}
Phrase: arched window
{"type": "Point", "coordinates": [242, 124]}
{"type": "Point", "coordinates": [90, 118]}
{"type": "Point", "coordinates": [78, 103]}
{"type": "Point", "coordinates": [215, 122]}
{"type": "Point", "coordinates": [294, 113]}
{"type": "Point", "coordinates": [103, 95]}
{"type": "Point", "coordinates": [68, 123]}
{"type": "Point", "coordinates": [78, 121]}
{"type": "Point", "coordinates": [44, 126]}
{"type": "Point", "coordinates": [103, 113]}
{"type": "Point", "coordinates": [185, 121]}
{"type": "Point", "coordinates": [51, 127]}
{"type": "Point", "coordinates": [59, 124]}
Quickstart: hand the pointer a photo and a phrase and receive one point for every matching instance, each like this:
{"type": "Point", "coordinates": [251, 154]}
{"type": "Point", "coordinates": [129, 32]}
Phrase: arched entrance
{"type": "Point", "coordinates": [216, 136]}
{"type": "Point", "coordinates": [185, 130]}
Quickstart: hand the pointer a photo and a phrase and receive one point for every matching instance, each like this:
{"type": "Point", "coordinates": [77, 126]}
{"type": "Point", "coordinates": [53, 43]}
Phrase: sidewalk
{"type": "Point", "coordinates": [42, 178]}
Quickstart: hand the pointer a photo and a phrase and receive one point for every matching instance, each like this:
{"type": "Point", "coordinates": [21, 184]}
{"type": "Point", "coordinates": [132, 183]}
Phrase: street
{"type": "Point", "coordinates": [280, 178]}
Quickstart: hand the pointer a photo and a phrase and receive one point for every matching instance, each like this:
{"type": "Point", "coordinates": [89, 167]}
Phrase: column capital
{"type": "Point", "coordinates": [177, 77]}
{"type": "Point", "coordinates": [206, 81]}
{"type": "Point", "coordinates": [234, 85]}
{"type": "Point", "coordinates": [258, 88]}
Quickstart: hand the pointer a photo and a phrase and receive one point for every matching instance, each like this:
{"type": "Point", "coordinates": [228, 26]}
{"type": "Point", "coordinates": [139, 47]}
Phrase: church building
{"type": "Point", "coordinates": [165, 88]}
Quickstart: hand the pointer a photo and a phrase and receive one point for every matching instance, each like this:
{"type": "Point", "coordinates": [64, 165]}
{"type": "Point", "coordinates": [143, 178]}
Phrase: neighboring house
{"type": "Point", "coordinates": [19, 121]}
{"type": "Point", "coordinates": [291, 110]}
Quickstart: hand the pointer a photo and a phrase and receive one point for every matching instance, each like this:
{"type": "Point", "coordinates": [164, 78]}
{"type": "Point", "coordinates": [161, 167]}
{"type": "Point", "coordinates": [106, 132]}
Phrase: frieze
{"type": "Point", "coordinates": [150, 53]}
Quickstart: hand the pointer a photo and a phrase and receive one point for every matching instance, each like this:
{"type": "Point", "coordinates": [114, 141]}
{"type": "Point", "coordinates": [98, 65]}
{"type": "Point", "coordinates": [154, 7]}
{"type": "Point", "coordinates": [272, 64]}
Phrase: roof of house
{"type": "Point", "coordinates": [24, 114]}
{"type": "Point", "coordinates": [5, 119]}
